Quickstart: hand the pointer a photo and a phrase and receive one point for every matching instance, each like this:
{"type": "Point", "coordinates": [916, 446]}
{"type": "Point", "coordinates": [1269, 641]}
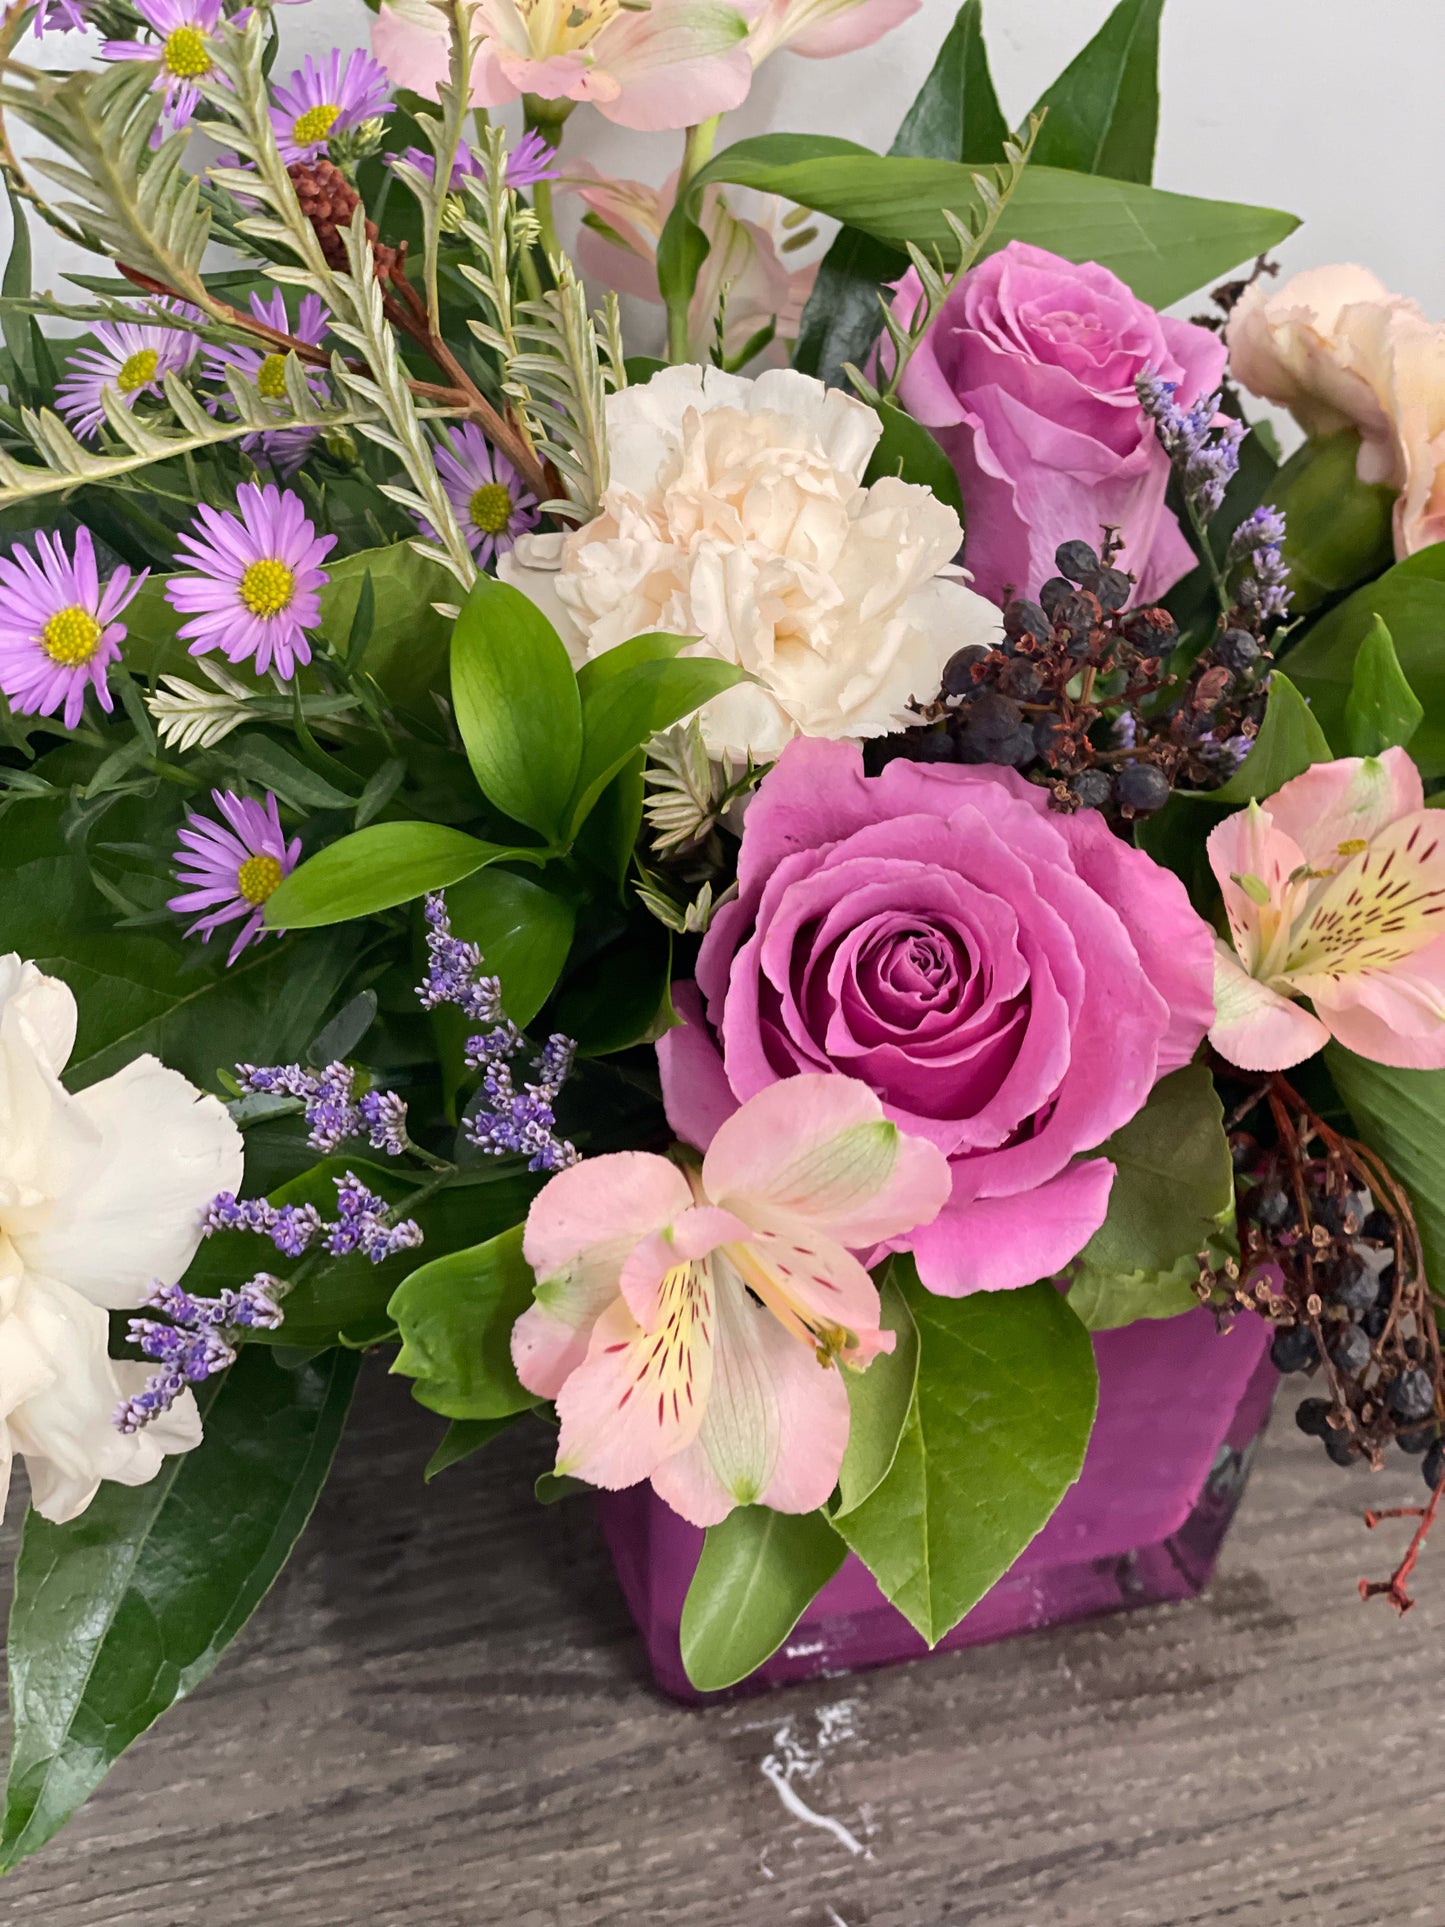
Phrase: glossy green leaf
{"type": "Point", "coordinates": [907, 450]}
{"type": "Point", "coordinates": [608, 837]}
{"type": "Point", "coordinates": [345, 1031]}
{"type": "Point", "coordinates": [1410, 600]}
{"type": "Point", "coordinates": [1163, 245]}
{"type": "Point", "coordinates": [955, 117]}
{"type": "Point", "coordinates": [524, 932]}
{"type": "Point", "coordinates": [620, 997]}
{"type": "Point", "coordinates": [1173, 1185]}
{"type": "Point", "coordinates": [462, 1438]}
{"type": "Point", "coordinates": [1103, 110]}
{"type": "Point", "coordinates": [1289, 741]}
{"type": "Point", "coordinates": [626, 702]}
{"type": "Point", "coordinates": [455, 1317]}
{"type": "Point", "coordinates": [1401, 1115]}
{"type": "Point", "coordinates": [880, 1399]}
{"type": "Point", "coordinates": [379, 867]}
{"type": "Point", "coordinates": [1383, 711]}
{"type": "Point", "coordinates": [265, 762]}
{"type": "Point", "coordinates": [758, 1573]}
{"type": "Point", "coordinates": [517, 705]}
{"type": "Point", "coordinates": [124, 1610]}
{"type": "Point", "coordinates": [1338, 529]}
{"type": "Point", "coordinates": [996, 1435]}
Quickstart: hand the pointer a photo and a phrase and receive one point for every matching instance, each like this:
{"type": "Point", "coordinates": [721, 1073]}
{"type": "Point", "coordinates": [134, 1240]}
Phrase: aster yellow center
{"type": "Point", "coordinates": [267, 587]}
{"type": "Point", "coordinates": [137, 370]}
{"type": "Point", "coordinates": [70, 637]}
{"type": "Point", "coordinates": [271, 378]}
{"type": "Point", "coordinates": [185, 54]}
{"type": "Point", "coordinates": [490, 508]}
{"type": "Point", "coordinates": [315, 124]}
{"type": "Point", "coordinates": [258, 877]}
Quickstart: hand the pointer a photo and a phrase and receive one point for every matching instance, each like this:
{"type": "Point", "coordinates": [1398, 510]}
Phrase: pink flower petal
{"type": "Point", "coordinates": [1254, 1026]}
{"type": "Point", "coordinates": [1349, 801]}
{"type": "Point", "coordinates": [999, 1244]}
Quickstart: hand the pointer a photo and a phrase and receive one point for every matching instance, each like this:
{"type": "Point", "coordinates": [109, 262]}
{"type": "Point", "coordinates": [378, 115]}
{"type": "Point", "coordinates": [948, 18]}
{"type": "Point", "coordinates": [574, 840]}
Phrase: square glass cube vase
{"type": "Point", "coordinates": [1181, 1406]}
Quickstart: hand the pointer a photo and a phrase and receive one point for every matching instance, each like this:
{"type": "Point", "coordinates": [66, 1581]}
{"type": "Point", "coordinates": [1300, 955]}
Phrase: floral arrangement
{"type": "Point", "coordinates": [733, 888]}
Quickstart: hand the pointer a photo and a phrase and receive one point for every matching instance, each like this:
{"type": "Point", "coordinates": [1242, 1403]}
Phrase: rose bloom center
{"type": "Point", "coordinates": [267, 587]}
{"type": "Point", "coordinates": [70, 637]}
{"type": "Point", "coordinates": [257, 877]}
{"type": "Point", "coordinates": [185, 54]}
{"type": "Point", "coordinates": [315, 124]}
{"type": "Point", "coordinates": [271, 378]}
{"type": "Point", "coordinates": [490, 508]}
{"type": "Point", "coordinates": [137, 370]}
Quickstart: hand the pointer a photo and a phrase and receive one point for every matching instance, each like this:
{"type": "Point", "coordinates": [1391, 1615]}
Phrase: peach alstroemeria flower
{"type": "Point", "coordinates": [690, 1324]}
{"type": "Point", "coordinates": [669, 64]}
{"type": "Point", "coordinates": [1335, 891]}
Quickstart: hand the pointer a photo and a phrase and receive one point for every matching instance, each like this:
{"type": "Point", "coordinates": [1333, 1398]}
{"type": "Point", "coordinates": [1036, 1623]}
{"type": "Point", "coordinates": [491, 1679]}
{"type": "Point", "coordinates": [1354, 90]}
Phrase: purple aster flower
{"type": "Point", "coordinates": [62, 16]}
{"type": "Point", "coordinates": [58, 628]}
{"type": "Point", "coordinates": [130, 357]}
{"type": "Point", "coordinates": [533, 159]}
{"type": "Point", "coordinates": [182, 55]}
{"type": "Point", "coordinates": [256, 594]}
{"type": "Point", "coordinates": [231, 871]}
{"type": "Point", "coordinates": [199, 1341]}
{"type": "Point", "coordinates": [492, 506]}
{"type": "Point", "coordinates": [318, 102]}
{"type": "Point", "coordinates": [287, 448]}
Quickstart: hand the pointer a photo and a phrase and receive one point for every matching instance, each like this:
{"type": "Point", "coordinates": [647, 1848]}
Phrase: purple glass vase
{"type": "Point", "coordinates": [1180, 1408]}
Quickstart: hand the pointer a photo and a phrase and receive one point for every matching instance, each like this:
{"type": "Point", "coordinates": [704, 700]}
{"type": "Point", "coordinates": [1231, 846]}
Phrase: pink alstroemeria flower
{"type": "Point", "coordinates": [690, 1324]}
{"type": "Point", "coordinates": [1335, 891]}
{"type": "Point", "coordinates": [671, 64]}
{"type": "Point", "coordinates": [820, 29]}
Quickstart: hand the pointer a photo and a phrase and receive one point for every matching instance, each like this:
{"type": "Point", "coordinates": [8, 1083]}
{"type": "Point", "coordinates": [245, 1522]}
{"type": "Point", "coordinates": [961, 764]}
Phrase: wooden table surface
{"type": "Point", "coordinates": [441, 1717]}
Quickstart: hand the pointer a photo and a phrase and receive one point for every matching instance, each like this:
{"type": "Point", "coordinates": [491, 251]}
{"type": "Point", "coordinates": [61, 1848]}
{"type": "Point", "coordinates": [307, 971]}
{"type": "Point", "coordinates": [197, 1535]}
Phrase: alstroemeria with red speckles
{"type": "Point", "coordinates": [1335, 891]}
{"type": "Point", "coordinates": [690, 1324]}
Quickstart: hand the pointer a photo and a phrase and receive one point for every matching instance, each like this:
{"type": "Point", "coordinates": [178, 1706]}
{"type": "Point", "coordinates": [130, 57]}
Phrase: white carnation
{"type": "Point", "coordinates": [101, 1198]}
{"type": "Point", "coordinates": [736, 513]}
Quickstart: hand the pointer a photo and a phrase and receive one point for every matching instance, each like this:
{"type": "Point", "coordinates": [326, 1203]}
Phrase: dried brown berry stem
{"type": "Point", "coordinates": [1395, 1587]}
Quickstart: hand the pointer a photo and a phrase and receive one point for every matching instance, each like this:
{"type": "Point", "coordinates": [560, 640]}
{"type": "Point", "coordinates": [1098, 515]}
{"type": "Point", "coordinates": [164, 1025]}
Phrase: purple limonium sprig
{"type": "Point", "coordinates": [533, 159]}
{"type": "Point", "coordinates": [58, 627]}
{"type": "Point", "coordinates": [131, 357]}
{"type": "Point", "coordinates": [334, 1111]}
{"type": "Point", "coordinates": [286, 448]}
{"type": "Point", "coordinates": [256, 593]}
{"type": "Point", "coordinates": [1257, 544]}
{"type": "Point", "coordinates": [521, 1123]}
{"type": "Point", "coordinates": [362, 1224]}
{"type": "Point", "coordinates": [182, 53]}
{"type": "Point", "coordinates": [454, 971]}
{"type": "Point", "coordinates": [1203, 448]}
{"type": "Point", "coordinates": [317, 102]}
{"type": "Point", "coordinates": [292, 1228]}
{"type": "Point", "coordinates": [231, 870]}
{"type": "Point", "coordinates": [198, 1341]}
{"type": "Point", "coordinates": [493, 506]}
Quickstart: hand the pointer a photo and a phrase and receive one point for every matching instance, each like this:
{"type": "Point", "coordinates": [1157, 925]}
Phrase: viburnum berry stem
{"type": "Point", "coordinates": [1394, 1588]}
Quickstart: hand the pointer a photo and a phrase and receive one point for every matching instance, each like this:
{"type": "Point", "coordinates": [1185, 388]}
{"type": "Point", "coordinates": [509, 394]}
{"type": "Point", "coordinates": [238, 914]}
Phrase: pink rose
{"type": "Point", "coordinates": [1026, 377]}
{"type": "Point", "coordinates": [1010, 981]}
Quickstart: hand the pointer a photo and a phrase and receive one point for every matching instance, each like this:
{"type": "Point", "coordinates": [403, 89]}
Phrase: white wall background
{"type": "Point", "coordinates": [1330, 108]}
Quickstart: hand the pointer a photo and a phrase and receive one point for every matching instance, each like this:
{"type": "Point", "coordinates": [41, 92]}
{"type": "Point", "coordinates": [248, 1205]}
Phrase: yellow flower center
{"type": "Point", "coordinates": [258, 877]}
{"type": "Point", "coordinates": [491, 508]}
{"type": "Point", "coordinates": [271, 378]}
{"type": "Point", "coordinates": [70, 637]}
{"type": "Point", "coordinates": [564, 26]}
{"type": "Point", "coordinates": [315, 124]}
{"type": "Point", "coordinates": [137, 370]}
{"type": "Point", "coordinates": [267, 587]}
{"type": "Point", "coordinates": [185, 54]}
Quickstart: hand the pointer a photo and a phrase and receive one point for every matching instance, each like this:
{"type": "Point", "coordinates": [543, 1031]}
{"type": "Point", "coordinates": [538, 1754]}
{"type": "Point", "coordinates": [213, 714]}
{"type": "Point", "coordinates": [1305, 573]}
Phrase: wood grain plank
{"type": "Point", "coordinates": [441, 1716]}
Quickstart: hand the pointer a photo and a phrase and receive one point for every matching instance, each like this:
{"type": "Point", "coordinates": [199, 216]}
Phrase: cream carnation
{"type": "Point", "coordinates": [101, 1198]}
{"type": "Point", "coordinates": [1336, 348]}
{"type": "Point", "coordinates": [736, 513]}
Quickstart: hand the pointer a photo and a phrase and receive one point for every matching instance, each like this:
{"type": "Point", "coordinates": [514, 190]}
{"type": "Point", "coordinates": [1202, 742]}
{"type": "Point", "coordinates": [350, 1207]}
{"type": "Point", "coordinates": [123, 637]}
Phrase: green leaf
{"type": "Point", "coordinates": [1410, 600]}
{"type": "Point", "coordinates": [1383, 711]}
{"type": "Point", "coordinates": [124, 1610]}
{"type": "Point", "coordinates": [1163, 245]}
{"type": "Point", "coordinates": [626, 702]}
{"type": "Point", "coordinates": [15, 284]}
{"type": "Point", "coordinates": [1103, 110]}
{"type": "Point", "coordinates": [461, 1438]}
{"type": "Point", "coordinates": [879, 1399]}
{"type": "Point", "coordinates": [907, 450]}
{"type": "Point", "coordinates": [345, 1031]}
{"type": "Point", "coordinates": [1173, 1188]}
{"type": "Point", "coordinates": [996, 1435]}
{"type": "Point", "coordinates": [274, 768]}
{"type": "Point", "coordinates": [758, 1572]}
{"type": "Point", "coordinates": [620, 997]}
{"type": "Point", "coordinates": [955, 117]}
{"type": "Point", "coordinates": [517, 705]}
{"type": "Point", "coordinates": [378, 867]}
{"type": "Point", "coordinates": [524, 932]}
{"type": "Point", "coordinates": [1401, 1115]}
{"type": "Point", "coordinates": [1289, 741]}
{"type": "Point", "coordinates": [455, 1317]}
{"type": "Point", "coordinates": [1338, 529]}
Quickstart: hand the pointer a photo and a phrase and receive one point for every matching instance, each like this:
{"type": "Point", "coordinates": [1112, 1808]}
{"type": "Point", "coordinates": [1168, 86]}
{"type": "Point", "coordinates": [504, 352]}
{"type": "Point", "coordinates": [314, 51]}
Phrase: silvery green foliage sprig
{"type": "Point", "coordinates": [445, 134]}
{"type": "Point", "coordinates": [501, 232]}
